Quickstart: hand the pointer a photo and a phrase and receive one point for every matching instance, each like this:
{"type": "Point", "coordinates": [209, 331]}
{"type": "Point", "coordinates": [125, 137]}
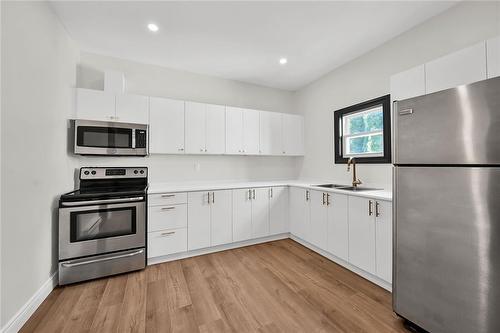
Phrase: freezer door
{"type": "Point", "coordinates": [447, 248]}
{"type": "Point", "coordinates": [454, 126]}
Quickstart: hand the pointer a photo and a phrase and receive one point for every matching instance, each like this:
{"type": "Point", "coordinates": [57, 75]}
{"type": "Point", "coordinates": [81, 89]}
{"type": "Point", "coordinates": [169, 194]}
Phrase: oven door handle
{"type": "Point", "coordinates": [93, 261]}
{"type": "Point", "coordinates": [98, 202]}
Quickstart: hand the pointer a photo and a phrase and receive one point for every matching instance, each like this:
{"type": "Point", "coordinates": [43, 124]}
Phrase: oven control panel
{"type": "Point", "coordinates": [113, 172]}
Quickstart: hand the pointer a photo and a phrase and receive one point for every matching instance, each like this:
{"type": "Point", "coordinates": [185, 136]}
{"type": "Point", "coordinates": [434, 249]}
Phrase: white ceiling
{"type": "Point", "coordinates": [242, 40]}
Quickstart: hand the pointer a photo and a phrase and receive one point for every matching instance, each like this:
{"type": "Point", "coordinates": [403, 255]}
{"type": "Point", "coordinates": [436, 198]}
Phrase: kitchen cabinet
{"type": "Point", "coordinates": [271, 136]}
{"type": "Point", "coordinates": [319, 219]}
{"type": "Point", "coordinates": [167, 217]}
{"type": "Point", "coordinates": [132, 109]}
{"type": "Point", "coordinates": [242, 215]}
{"type": "Point", "coordinates": [205, 128]}
{"type": "Point", "coordinates": [493, 56]}
{"type": "Point", "coordinates": [242, 131]}
{"type": "Point", "coordinates": [462, 67]}
{"type": "Point", "coordinates": [165, 242]}
{"type": "Point", "coordinates": [260, 212]}
{"type": "Point", "coordinates": [166, 127]}
{"type": "Point", "coordinates": [408, 84]}
{"type": "Point", "coordinates": [278, 210]}
{"type": "Point", "coordinates": [293, 134]}
{"type": "Point", "coordinates": [383, 239]}
{"type": "Point", "coordinates": [299, 212]}
{"type": "Point", "coordinates": [209, 219]}
{"type": "Point", "coordinates": [95, 105]}
{"type": "Point", "coordinates": [338, 226]}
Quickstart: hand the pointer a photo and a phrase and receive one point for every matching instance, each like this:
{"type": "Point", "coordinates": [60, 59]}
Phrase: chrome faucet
{"type": "Point", "coordinates": [355, 180]}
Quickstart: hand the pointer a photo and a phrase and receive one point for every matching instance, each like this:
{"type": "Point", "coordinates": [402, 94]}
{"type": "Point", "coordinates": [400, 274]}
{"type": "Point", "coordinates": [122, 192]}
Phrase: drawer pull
{"type": "Point", "coordinates": [167, 208]}
{"type": "Point", "coordinates": [167, 233]}
{"type": "Point", "coordinates": [168, 195]}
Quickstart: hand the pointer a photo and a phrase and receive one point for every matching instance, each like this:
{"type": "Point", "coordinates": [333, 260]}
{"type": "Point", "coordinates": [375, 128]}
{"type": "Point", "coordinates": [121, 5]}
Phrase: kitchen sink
{"type": "Point", "coordinates": [348, 188]}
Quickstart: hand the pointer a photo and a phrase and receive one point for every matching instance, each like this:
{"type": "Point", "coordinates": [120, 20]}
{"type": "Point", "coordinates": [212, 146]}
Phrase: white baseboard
{"type": "Point", "coordinates": [27, 310]}
{"type": "Point", "coordinates": [370, 277]}
{"type": "Point", "coordinates": [194, 253]}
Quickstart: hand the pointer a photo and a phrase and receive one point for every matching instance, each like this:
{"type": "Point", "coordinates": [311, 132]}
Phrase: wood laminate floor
{"type": "Point", "coordinates": [279, 286]}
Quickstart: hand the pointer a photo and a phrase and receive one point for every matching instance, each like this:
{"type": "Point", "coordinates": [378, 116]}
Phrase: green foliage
{"type": "Point", "coordinates": [372, 121]}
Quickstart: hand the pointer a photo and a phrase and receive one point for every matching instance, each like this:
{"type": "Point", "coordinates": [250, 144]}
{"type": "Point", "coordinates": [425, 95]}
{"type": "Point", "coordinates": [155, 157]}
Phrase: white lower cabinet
{"type": "Point", "coordinates": [319, 219]}
{"type": "Point", "coordinates": [260, 212]}
{"type": "Point", "coordinates": [383, 239]}
{"type": "Point", "coordinates": [165, 242]}
{"type": "Point", "coordinates": [278, 210]}
{"type": "Point", "coordinates": [209, 219]}
{"type": "Point", "coordinates": [167, 217]}
{"type": "Point", "coordinates": [338, 226]}
{"type": "Point", "coordinates": [299, 212]}
{"type": "Point", "coordinates": [250, 213]}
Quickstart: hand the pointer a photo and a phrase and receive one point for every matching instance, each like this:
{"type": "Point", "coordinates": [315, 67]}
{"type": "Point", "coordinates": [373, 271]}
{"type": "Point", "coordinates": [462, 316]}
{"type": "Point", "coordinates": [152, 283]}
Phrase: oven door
{"type": "Point", "coordinates": [109, 138]}
{"type": "Point", "coordinates": [100, 227]}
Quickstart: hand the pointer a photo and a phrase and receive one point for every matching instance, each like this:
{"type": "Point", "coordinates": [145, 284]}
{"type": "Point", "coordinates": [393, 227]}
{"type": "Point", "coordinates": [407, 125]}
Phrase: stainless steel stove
{"type": "Point", "coordinates": [102, 226]}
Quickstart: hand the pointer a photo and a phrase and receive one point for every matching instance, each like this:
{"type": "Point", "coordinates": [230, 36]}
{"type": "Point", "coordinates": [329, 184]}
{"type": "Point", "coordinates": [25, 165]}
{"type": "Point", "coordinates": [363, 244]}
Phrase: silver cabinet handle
{"type": "Point", "coordinates": [163, 234]}
{"type": "Point", "coordinates": [208, 201]}
{"type": "Point", "coordinates": [213, 197]}
{"type": "Point", "coordinates": [324, 200]}
{"type": "Point", "coordinates": [405, 112]}
{"type": "Point", "coordinates": [271, 192]}
{"type": "Point", "coordinates": [253, 191]}
{"type": "Point", "coordinates": [328, 199]}
{"type": "Point", "coordinates": [201, 149]}
{"type": "Point", "coordinates": [167, 208]}
{"type": "Point", "coordinates": [370, 208]}
{"type": "Point", "coordinates": [307, 195]}
{"type": "Point", "coordinates": [180, 149]}
{"type": "Point", "coordinates": [168, 195]}
{"type": "Point", "coordinates": [206, 150]}
{"type": "Point", "coordinates": [93, 261]}
{"type": "Point", "coordinates": [377, 209]}
{"type": "Point", "coordinates": [249, 194]}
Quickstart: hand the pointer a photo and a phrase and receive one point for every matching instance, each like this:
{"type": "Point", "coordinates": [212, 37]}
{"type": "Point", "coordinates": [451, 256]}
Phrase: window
{"type": "Point", "coordinates": [363, 131]}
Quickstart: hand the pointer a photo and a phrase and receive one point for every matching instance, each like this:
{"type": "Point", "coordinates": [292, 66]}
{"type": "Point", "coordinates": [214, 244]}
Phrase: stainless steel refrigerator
{"type": "Point", "coordinates": [446, 275]}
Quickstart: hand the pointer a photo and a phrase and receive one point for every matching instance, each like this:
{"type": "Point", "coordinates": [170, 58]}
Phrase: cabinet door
{"type": "Point", "coordinates": [166, 117]}
{"type": "Point", "coordinates": [132, 109]}
{"type": "Point", "coordinates": [242, 215]}
{"type": "Point", "coordinates": [195, 128]}
{"type": "Point", "coordinates": [461, 67]}
{"type": "Point", "coordinates": [278, 210]}
{"type": "Point", "coordinates": [250, 132]}
{"type": "Point", "coordinates": [198, 220]}
{"type": "Point", "coordinates": [293, 135]}
{"type": "Point", "coordinates": [407, 84]}
{"type": "Point", "coordinates": [362, 234]}
{"type": "Point", "coordinates": [221, 217]}
{"type": "Point", "coordinates": [319, 218]}
{"type": "Point", "coordinates": [216, 129]}
{"type": "Point", "coordinates": [271, 136]}
{"type": "Point", "coordinates": [234, 130]}
{"type": "Point", "coordinates": [260, 212]}
{"type": "Point", "coordinates": [493, 57]}
{"type": "Point", "coordinates": [383, 228]}
{"type": "Point", "coordinates": [338, 226]}
{"type": "Point", "coordinates": [95, 105]}
{"type": "Point", "coordinates": [299, 212]}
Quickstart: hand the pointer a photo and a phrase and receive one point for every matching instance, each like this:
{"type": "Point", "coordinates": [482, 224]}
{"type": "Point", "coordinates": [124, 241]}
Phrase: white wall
{"type": "Point", "coordinates": [38, 73]}
{"type": "Point", "coordinates": [368, 76]}
{"type": "Point", "coordinates": [159, 81]}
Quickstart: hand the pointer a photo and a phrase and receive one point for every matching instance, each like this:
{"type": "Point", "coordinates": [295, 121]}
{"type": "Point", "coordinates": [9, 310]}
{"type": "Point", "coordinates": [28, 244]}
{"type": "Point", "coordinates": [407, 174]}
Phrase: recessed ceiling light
{"type": "Point", "coordinates": [153, 27]}
{"type": "Point", "coordinates": [283, 61]}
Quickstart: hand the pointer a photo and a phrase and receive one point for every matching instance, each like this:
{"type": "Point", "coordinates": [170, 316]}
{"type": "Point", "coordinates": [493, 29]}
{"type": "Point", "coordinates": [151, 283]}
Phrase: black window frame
{"type": "Point", "coordinates": [385, 102]}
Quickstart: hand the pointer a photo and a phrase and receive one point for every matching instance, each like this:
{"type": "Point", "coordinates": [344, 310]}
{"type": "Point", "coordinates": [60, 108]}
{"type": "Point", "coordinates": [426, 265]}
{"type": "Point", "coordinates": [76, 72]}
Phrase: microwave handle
{"type": "Point", "coordinates": [98, 202]}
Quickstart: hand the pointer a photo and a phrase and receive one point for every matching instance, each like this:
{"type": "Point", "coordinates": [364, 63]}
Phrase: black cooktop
{"type": "Point", "coordinates": [103, 193]}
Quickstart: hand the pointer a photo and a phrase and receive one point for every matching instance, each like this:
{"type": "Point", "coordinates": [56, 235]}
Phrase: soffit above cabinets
{"type": "Point", "coordinates": [242, 41]}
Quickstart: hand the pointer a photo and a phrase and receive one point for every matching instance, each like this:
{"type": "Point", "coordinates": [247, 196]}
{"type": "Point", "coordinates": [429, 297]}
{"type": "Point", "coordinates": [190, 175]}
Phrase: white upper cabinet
{"type": "Point", "coordinates": [216, 129]}
{"type": "Point", "coordinates": [493, 56]}
{"type": "Point", "coordinates": [132, 109]}
{"type": "Point", "coordinates": [95, 105]}
{"type": "Point", "coordinates": [383, 231]}
{"type": "Point", "coordinates": [166, 127]}
{"type": "Point", "coordinates": [195, 128]}
{"type": "Point", "coordinates": [205, 128]}
{"type": "Point", "coordinates": [338, 226]}
{"type": "Point", "coordinates": [271, 134]}
{"type": "Point", "coordinates": [408, 84]}
{"type": "Point", "coordinates": [278, 210]}
{"type": "Point", "coordinates": [293, 134]}
{"type": "Point", "coordinates": [462, 67]}
{"type": "Point", "coordinates": [251, 132]}
{"type": "Point", "coordinates": [234, 130]}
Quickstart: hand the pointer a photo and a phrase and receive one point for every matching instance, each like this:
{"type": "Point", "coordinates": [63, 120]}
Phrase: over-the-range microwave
{"type": "Point", "coordinates": [94, 137]}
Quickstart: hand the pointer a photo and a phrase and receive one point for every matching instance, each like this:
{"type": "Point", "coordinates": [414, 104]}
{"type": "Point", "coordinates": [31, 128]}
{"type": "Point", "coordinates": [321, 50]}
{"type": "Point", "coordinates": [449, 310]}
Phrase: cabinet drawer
{"type": "Point", "coordinates": [165, 242]}
{"type": "Point", "coordinates": [167, 199]}
{"type": "Point", "coordinates": [167, 217]}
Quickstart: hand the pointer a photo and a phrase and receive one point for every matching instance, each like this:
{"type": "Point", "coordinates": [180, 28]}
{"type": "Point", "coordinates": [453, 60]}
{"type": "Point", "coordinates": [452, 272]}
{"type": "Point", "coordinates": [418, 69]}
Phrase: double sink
{"type": "Point", "coordinates": [347, 187]}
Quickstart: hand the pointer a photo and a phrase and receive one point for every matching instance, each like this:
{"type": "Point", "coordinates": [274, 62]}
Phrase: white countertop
{"type": "Point", "coordinates": [382, 194]}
